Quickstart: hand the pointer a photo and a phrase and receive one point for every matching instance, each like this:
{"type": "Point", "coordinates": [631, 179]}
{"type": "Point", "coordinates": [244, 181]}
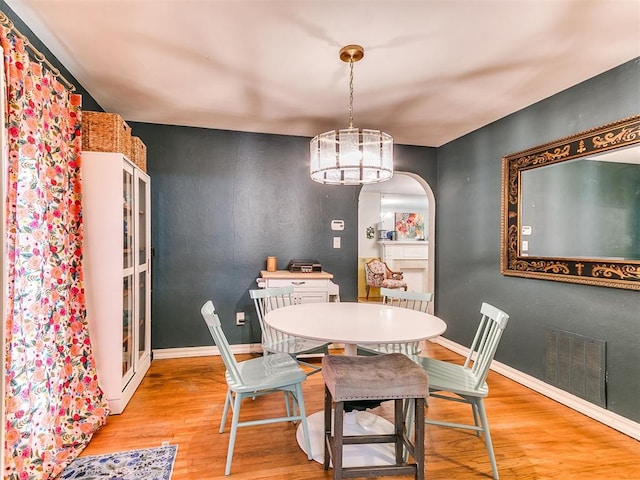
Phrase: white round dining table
{"type": "Point", "coordinates": [355, 324]}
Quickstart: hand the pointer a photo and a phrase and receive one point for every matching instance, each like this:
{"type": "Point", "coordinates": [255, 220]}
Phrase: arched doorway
{"type": "Point", "coordinates": [378, 205]}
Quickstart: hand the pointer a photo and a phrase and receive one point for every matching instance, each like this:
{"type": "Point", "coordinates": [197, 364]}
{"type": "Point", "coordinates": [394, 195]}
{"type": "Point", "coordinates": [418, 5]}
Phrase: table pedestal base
{"type": "Point", "coordinates": [355, 423]}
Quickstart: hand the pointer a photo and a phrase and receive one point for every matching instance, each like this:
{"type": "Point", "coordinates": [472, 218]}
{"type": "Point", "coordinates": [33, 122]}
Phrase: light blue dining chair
{"type": "Point", "coordinates": [267, 299]}
{"type": "Point", "coordinates": [399, 298]}
{"type": "Point", "coordinates": [467, 383]}
{"type": "Point", "coordinates": [275, 373]}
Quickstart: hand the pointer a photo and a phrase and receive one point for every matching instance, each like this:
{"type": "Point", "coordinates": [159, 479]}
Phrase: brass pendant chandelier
{"type": "Point", "coordinates": [351, 156]}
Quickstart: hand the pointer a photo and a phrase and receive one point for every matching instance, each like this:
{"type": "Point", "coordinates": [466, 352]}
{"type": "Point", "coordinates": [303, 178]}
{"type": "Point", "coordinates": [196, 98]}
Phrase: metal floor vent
{"type": "Point", "coordinates": [577, 364]}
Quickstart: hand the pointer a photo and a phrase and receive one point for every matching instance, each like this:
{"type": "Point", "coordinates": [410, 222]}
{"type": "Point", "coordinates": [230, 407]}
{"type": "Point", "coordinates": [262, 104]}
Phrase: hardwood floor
{"type": "Point", "coordinates": [180, 401]}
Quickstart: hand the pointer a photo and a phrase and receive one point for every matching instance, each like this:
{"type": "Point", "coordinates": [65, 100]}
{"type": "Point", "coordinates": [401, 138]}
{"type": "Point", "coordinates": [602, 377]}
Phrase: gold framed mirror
{"type": "Point", "coordinates": [571, 208]}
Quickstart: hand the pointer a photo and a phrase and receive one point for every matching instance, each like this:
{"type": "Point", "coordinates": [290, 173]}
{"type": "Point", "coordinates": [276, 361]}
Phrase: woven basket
{"type": "Point", "coordinates": [105, 132]}
{"type": "Point", "coordinates": [139, 153]}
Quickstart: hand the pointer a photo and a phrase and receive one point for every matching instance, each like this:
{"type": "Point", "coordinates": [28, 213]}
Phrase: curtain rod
{"type": "Point", "coordinates": [39, 56]}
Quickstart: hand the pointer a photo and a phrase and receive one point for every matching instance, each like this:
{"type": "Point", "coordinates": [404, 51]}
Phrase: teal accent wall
{"type": "Point", "coordinates": [468, 241]}
{"type": "Point", "coordinates": [222, 202]}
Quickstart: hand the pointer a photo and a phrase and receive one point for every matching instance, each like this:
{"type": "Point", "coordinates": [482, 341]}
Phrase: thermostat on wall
{"type": "Point", "coordinates": [337, 224]}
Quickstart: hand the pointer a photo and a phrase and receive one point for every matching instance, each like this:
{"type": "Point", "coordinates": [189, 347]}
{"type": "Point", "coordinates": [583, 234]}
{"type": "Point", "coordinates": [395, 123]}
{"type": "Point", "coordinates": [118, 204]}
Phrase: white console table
{"type": "Point", "coordinates": [312, 287]}
{"type": "Point", "coordinates": [410, 257]}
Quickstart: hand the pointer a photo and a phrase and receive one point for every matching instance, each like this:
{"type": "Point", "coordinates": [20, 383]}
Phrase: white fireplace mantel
{"type": "Point", "coordinates": [409, 257]}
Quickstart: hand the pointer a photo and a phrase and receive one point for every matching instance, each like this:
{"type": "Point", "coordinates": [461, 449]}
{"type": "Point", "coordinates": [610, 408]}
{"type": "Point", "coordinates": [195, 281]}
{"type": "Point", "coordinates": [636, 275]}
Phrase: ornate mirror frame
{"type": "Point", "coordinates": [603, 272]}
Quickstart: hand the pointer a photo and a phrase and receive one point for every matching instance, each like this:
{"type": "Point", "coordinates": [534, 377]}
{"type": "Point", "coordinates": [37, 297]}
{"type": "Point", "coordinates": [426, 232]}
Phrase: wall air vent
{"type": "Point", "coordinates": [577, 364]}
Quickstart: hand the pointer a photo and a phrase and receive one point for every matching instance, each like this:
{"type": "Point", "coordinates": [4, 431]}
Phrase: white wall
{"type": "Point", "coordinates": [415, 189]}
{"type": "Point", "coordinates": [368, 216]}
{"type": "Point", "coordinates": [380, 201]}
{"type": "Point", "coordinates": [392, 203]}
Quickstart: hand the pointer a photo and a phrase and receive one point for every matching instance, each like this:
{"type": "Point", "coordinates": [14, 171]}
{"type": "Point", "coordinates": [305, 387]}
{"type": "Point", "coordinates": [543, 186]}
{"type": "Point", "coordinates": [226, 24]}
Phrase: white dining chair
{"type": "Point", "coordinates": [273, 341]}
{"type": "Point", "coordinates": [467, 383]}
{"type": "Point", "coordinates": [399, 298]}
{"type": "Point", "coordinates": [276, 373]}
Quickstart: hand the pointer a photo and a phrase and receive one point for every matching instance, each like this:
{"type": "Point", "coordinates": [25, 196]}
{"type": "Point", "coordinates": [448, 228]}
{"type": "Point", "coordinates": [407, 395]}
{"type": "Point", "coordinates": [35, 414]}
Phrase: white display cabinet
{"type": "Point", "coordinates": [117, 271]}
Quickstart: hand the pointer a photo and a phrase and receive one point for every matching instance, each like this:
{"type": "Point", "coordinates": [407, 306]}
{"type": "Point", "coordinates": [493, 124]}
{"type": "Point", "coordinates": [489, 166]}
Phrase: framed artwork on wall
{"type": "Point", "coordinates": [409, 226]}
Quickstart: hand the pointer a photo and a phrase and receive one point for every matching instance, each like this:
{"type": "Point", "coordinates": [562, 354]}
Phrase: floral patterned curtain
{"type": "Point", "coordinates": [53, 403]}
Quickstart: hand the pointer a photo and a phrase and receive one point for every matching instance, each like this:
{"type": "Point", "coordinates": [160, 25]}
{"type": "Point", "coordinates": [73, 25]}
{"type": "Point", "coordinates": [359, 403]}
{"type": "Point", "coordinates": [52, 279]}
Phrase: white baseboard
{"type": "Point", "coordinates": [602, 415]}
{"type": "Point", "coordinates": [164, 353]}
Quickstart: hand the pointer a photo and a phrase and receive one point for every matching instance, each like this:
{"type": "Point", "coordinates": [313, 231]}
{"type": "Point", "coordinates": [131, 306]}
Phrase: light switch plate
{"type": "Point", "coordinates": [336, 242]}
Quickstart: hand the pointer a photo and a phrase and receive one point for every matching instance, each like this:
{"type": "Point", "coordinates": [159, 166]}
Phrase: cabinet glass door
{"type": "Point", "coordinates": [143, 306]}
{"type": "Point", "coordinates": [142, 221]}
{"type": "Point", "coordinates": [127, 215]}
{"type": "Point", "coordinates": [127, 328]}
{"type": "Point", "coordinates": [142, 314]}
{"type": "Point", "coordinates": [128, 289]}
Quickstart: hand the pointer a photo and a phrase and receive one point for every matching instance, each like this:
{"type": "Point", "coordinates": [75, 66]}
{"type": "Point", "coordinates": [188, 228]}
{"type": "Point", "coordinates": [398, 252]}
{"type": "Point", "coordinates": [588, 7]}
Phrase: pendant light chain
{"type": "Point", "coordinates": [351, 94]}
{"type": "Point", "coordinates": [351, 156]}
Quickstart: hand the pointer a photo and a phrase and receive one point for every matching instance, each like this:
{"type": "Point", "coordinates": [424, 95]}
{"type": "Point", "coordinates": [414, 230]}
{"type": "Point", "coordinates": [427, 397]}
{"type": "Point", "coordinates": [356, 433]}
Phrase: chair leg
{"type": "Point", "coordinates": [225, 411]}
{"type": "Point", "coordinates": [338, 445]}
{"type": "Point", "coordinates": [398, 421]}
{"type": "Point", "coordinates": [487, 437]}
{"type": "Point", "coordinates": [290, 404]}
{"type": "Point", "coordinates": [413, 414]}
{"type": "Point", "coordinates": [299, 400]}
{"type": "Point", "coordinates": [234, 429]}
{"type": "Point", "coordinates": [409, 414]}
{"type": "Point", "coordinates": [476, 421]}
{"type": "Point", "coordinates": [368, 288]}
{"type": "Point", "coordinates": [418, 442]}
{"type": "Point", "coordinates": [327, 428]}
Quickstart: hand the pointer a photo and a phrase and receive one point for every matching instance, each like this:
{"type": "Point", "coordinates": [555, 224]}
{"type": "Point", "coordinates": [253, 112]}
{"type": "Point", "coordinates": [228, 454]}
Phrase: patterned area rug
{"type": "Point", "coordinates": [146, 464]}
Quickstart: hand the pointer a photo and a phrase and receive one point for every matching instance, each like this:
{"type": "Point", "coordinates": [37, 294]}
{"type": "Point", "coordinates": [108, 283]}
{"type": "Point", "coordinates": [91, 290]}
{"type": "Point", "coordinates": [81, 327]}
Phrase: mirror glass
{"type": "Point", "coordinates": [584, 208]}
{"type": "Point", "coordinates": [571, 208]}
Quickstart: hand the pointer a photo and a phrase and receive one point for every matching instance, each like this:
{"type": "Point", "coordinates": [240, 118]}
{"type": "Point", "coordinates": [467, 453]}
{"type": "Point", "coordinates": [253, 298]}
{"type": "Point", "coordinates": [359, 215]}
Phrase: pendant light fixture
{"type": "Point", "coordinates": [351, 156]}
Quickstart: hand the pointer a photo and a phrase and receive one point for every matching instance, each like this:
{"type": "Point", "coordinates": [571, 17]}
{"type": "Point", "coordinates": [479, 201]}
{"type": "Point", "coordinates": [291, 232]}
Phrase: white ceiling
{"type": "Point", "coordinates": [433, 70]}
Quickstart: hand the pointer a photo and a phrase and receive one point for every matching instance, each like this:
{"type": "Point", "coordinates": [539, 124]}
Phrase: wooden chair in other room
{"type": "Point", "coordinates": [378, 274]}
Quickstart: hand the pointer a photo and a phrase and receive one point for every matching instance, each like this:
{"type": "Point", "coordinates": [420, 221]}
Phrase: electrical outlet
{"type": "Point", "coordinates": [240, 318]}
